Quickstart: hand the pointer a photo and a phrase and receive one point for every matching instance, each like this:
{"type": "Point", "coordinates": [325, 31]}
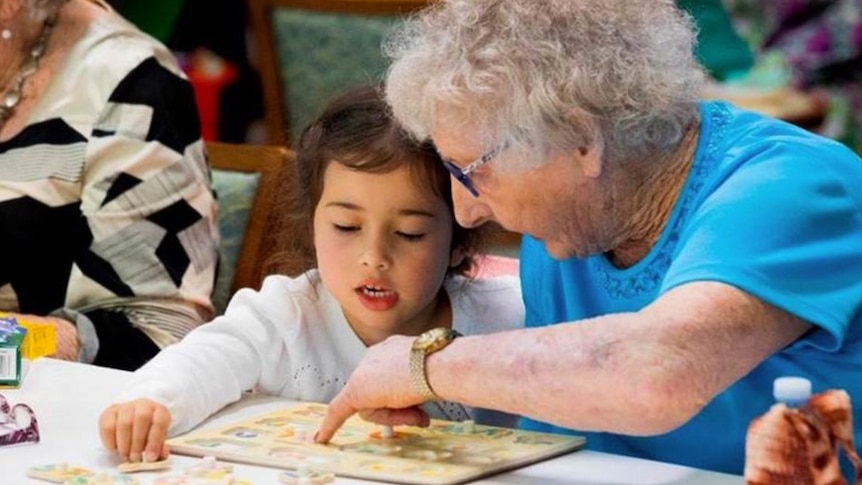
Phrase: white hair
{"type": "Point", "coordinates": [549, 74]}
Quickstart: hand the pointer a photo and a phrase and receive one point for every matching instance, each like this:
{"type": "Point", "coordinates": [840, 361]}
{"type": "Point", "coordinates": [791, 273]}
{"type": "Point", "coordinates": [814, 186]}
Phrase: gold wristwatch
{"type": "Point", "coordinates": [425, 345]}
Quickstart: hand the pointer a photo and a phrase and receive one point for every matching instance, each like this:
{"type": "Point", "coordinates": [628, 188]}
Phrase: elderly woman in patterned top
{"type": "Point", "coordinates": [107, 220]}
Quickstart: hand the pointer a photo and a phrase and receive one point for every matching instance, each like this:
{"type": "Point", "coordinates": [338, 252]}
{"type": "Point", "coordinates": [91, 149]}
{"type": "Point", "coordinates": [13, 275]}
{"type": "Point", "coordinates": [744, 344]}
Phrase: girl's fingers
{"type": "Point", "coordinates": [155, 446]}
{"type": "Point", "coordinates": [108, 428]}
{"type": "Point", "coordinates": [141, 425]}
{"type": "Point", "coordinates": [125, 422]}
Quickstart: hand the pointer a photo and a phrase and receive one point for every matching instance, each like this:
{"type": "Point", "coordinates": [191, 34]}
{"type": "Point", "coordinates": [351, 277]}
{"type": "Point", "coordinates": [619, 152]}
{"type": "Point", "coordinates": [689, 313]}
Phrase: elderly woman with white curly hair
{"type": "Point", "coordinates": [679, 254]}
{"type": "Point", "coordinates": [107, 220]}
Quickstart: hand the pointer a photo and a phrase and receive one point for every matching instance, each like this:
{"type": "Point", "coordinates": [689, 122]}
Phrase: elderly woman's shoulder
{"type": "Point", "coordinates": [739, 132]}
{"type": "Point", "coordinates": [112, 44]}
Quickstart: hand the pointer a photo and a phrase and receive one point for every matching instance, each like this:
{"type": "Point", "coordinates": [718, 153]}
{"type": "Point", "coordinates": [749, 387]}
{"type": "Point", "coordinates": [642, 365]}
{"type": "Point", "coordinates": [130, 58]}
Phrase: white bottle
{"type": "Point", "coordinates": [792, 391]}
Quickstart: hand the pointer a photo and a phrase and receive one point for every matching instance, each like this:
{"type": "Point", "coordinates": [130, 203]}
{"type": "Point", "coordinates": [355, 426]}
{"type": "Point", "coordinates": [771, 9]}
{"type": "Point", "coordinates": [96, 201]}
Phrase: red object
{"type": "Point", "coordinates": [209, 74]}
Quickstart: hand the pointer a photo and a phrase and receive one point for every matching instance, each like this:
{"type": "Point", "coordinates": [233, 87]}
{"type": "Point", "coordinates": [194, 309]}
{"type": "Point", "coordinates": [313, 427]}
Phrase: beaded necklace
{"type": "Point", "coordinates": [12, 97]}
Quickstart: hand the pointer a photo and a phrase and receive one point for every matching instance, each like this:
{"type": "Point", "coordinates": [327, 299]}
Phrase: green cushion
{"type": "Point", "coordinates": [235, 192]}
{"type": "Point", "coordinates": [323, 54]}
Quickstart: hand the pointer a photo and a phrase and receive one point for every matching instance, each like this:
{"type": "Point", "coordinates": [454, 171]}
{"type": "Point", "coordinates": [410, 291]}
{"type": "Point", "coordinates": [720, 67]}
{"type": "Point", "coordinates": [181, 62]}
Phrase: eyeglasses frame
{"type": "Point", "coordinates": [462, 175]}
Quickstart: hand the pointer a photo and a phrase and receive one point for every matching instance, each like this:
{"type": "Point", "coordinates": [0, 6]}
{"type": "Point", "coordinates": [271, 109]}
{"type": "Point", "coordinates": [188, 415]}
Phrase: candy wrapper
{"type": "Point", "coordinates": [18, 424]}
{"type": "Point", "coordinates": [11, 340]}
{"type": "Point", "coordinates": [801, 446]}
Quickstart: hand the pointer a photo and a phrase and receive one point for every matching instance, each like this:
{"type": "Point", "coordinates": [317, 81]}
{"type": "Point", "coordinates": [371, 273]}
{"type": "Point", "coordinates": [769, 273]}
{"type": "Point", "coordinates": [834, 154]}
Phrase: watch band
{"type": "Point", "coordinates": [419, 376]}
{"type": "Point", "coordinates": [425, 345]}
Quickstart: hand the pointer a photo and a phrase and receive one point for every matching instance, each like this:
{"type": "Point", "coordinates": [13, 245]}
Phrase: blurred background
{"type": "Point", "coordinates": [263, 68]}
{"type": "Point", "coordinates": [210, 38]}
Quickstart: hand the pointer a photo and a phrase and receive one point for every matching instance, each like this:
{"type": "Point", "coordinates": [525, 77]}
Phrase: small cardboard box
{"type": "Point", "coordinates": [41, 340]}
{"type": "Point", "coordinates": [11, 340]}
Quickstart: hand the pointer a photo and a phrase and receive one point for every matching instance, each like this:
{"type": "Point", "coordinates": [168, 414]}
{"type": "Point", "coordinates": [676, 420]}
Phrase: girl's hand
{"type": "Point", "coordinates": [136, 430]}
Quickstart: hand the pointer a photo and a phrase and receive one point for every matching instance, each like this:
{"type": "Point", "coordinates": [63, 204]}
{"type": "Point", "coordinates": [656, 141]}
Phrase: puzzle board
{"type": "Point", "coordinates": [444, 453]}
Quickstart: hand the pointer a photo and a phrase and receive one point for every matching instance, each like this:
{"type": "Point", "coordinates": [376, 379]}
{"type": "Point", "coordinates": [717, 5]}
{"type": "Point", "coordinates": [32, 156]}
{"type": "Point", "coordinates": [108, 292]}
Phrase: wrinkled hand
{"type": "Point", "coordinates": [379, 390]}
{"type": "Point", "coordinates": [136, 430]}
{"type": "Point", "coordinates": [66, 332]}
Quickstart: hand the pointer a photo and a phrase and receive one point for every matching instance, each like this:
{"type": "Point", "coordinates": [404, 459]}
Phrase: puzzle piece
{"type": "Point", "coordinates": [173, 480]}
{"type": "Point", "coordinates": [57, 473]}
{"type": "Point", "coordinates": [428, 455]}
{"type": "Point", "coordinates": [210, 468]}
{"type": "Point", "coordinates": [130, 467]}
{"type": "Point", "coordinates": [304, 475]}
{"type": "Point", "coordinates": [386, 433]}
{"type": "Point", "coordinates": [102, 478]}
{"type": "Point", "coordinates": [187, 480]}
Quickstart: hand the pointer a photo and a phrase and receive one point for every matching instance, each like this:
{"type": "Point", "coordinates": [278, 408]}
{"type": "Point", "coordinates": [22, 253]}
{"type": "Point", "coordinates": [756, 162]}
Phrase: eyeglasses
{"type": "Point", "coordinates": [463, 174]}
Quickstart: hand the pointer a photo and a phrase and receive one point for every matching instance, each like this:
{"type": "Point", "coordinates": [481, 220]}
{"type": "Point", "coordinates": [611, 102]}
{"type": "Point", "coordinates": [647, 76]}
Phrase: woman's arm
{"type": "Point", "coordinates": [218, 361]}
{"type": "Point", "coordinates": [636, 373]}
{"type": "Point", "coordinates": [148, 272]}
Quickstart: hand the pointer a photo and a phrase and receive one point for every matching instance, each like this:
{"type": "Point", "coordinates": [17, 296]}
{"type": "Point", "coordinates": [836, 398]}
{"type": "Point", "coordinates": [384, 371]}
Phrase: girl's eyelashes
{"type": "Point", "coordinates": [409, 236]}
{"type": "Point", "coordinates": [345, 228]}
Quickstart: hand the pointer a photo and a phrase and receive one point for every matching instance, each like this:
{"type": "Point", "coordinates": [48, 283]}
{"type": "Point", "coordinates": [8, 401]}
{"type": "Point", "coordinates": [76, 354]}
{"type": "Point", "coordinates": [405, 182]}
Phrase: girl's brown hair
{"type": "Point", "coordinates": [357, 131]}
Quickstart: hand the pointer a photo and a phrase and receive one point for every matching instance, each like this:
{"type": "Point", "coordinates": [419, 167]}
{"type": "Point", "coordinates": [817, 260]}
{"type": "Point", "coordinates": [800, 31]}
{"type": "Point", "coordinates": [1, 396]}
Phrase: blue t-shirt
{"type": "Point", "coordinates": [768, 208]}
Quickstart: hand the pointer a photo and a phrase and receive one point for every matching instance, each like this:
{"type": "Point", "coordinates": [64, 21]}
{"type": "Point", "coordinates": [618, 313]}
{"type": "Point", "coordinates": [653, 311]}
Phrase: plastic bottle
{"type": "Point", "coordinates": [792, 391]}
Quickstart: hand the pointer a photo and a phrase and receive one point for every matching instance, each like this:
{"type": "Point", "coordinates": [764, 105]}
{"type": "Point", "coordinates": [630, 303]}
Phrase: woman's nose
{"type": "Point", "coordinates": [470, 211]}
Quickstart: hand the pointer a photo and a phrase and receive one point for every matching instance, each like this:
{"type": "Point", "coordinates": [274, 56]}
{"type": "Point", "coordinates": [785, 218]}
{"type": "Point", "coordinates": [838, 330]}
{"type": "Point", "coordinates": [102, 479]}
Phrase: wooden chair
{"type": "Point", "coordinates": [312, 50]}
{"type": "Point", "coordinates": [804, 109]}
{"type": "Point", "coordinates": [246, 179]}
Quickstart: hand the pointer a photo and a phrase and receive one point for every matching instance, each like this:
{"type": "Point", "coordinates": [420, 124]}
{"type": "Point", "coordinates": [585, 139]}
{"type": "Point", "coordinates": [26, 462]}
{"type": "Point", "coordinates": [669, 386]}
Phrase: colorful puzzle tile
{"type": "Point", "coordinates": [210, 468]}
{"type": "Point", "coordinates": [57, 473]}
{"type": "Point", "coordinates": [102, 478]}
{"type": "Point", "coordinates": [130, 467]}
{"type": "Point", "coordinates": [173, 480]}
{"type": "Point", "coordinates": [305, 476]}
{"type": "Point", "coordinates": [188, 480]}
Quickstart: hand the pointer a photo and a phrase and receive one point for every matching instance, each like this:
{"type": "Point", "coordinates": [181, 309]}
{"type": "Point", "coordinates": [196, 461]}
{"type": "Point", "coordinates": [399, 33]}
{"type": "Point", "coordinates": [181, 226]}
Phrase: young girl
{"type": "Point", "coordinates": [389, 261]}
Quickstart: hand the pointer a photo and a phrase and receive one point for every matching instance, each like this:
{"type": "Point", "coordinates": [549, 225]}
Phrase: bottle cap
{"type": "Point", "coordinates": [791, 390]}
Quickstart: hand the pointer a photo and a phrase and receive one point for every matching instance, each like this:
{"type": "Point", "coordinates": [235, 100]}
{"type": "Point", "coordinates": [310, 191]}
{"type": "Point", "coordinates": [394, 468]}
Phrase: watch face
{"type": "Point", "coordinates": [435, 337]}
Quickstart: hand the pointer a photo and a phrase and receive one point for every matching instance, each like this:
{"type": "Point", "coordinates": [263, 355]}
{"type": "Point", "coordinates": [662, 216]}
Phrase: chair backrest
{"type": "Point", "coordinates": [312, 50]}
{"type": "Point", "coordinates": [246, 179]}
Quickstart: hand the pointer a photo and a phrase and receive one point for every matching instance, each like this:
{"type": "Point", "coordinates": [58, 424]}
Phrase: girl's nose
{"type": "Point", "coordinates": [376, 255]}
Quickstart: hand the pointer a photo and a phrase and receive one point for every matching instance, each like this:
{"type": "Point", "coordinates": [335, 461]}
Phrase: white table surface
{"type": "Point", "coordinates": [69, 397]}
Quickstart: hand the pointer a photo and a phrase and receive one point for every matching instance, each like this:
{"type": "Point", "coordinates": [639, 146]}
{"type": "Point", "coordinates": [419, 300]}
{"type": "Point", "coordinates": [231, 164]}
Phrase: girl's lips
{"type": "Point", "coordinates": [376, 299]}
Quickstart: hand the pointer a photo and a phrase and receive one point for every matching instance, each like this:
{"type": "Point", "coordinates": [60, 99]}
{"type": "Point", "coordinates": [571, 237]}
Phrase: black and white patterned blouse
{"type": "Point", "coordinates": [106, 212]}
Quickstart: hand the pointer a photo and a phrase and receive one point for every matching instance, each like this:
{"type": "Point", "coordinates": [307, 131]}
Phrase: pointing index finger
{"type": "Point", "coordinates": [339, 411]}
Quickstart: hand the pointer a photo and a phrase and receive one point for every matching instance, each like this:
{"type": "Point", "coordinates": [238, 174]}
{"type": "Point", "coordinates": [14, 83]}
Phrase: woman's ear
{"type": "Point", "coordinates": [589, 158]}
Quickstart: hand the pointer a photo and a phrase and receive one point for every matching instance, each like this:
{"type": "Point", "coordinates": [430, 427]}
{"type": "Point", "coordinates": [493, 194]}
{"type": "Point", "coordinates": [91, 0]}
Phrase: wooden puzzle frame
{"type": "Point", "coordinates": [445, 453]}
